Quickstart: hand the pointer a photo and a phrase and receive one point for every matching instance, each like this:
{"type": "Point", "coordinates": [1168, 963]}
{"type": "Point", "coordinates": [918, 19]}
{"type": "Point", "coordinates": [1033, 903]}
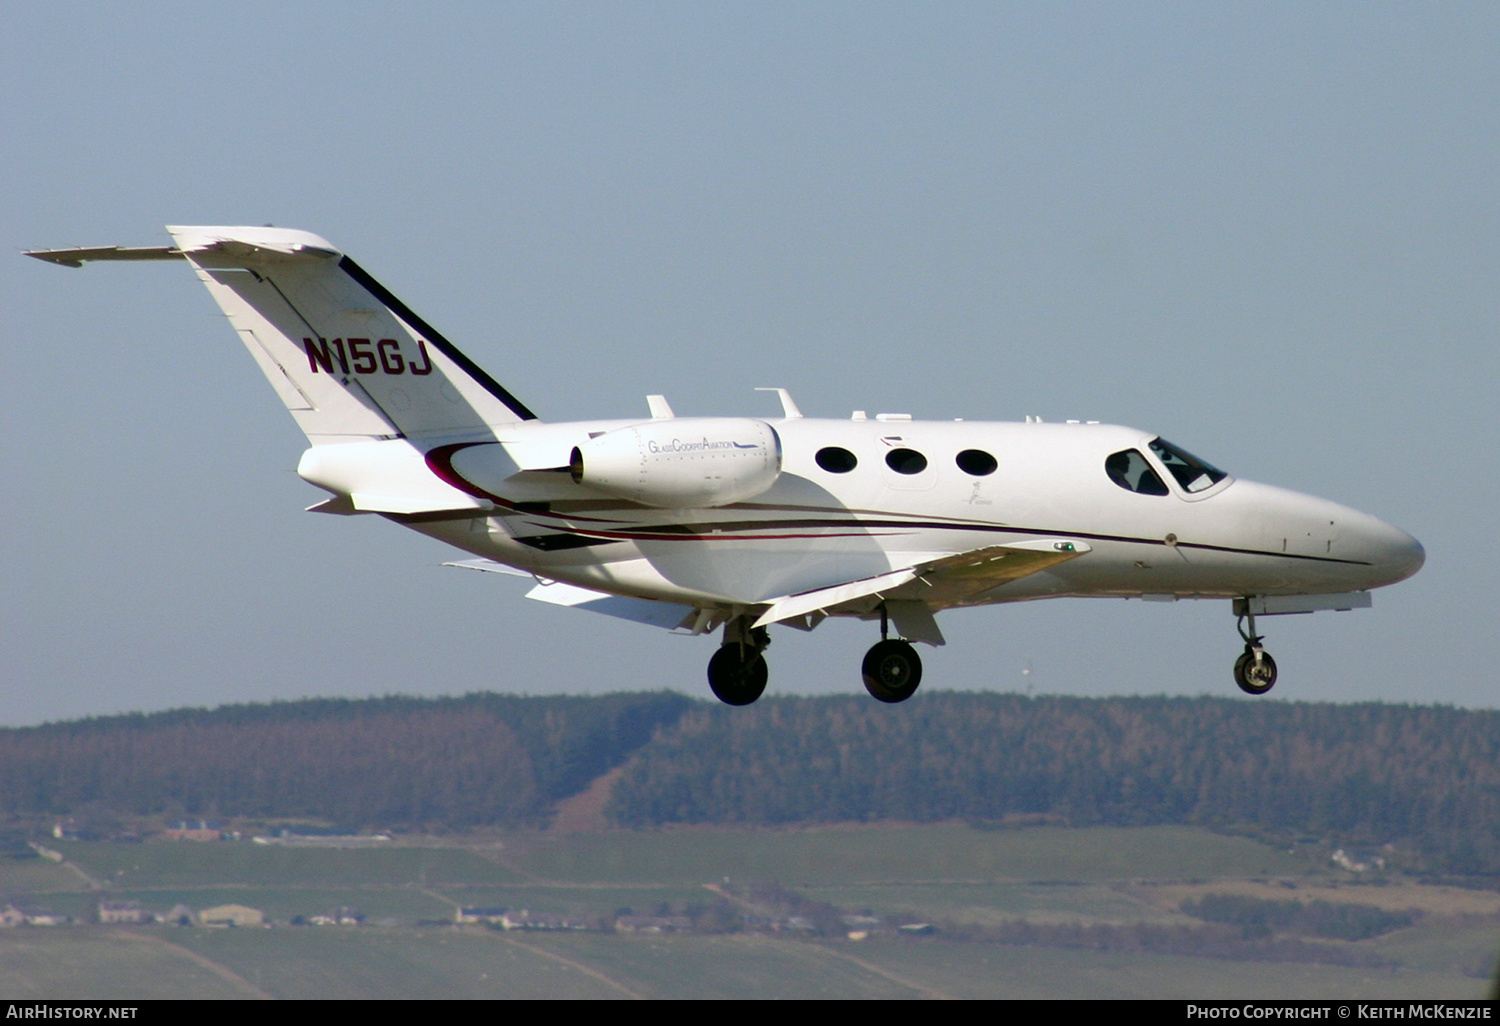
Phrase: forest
{"type": "Point", "coordinates": [1419, 785]}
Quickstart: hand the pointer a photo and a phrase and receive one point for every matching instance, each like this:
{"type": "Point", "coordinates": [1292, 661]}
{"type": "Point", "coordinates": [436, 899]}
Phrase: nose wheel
{"type": "Point", "coordinates": [1254, 670]}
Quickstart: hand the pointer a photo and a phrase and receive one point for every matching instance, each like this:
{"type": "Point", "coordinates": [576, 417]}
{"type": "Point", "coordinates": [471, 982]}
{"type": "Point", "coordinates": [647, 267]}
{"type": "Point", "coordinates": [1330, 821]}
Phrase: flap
{"type": "Point", "coordinates": [938, 583]}
{"type": "Point", "coordinates": [657, 614]}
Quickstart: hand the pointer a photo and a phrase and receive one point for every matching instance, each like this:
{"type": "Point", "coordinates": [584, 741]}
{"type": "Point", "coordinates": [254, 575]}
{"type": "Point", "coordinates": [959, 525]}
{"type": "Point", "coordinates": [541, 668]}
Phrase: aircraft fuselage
{"type": "Point", "coordinates": [814, 528]}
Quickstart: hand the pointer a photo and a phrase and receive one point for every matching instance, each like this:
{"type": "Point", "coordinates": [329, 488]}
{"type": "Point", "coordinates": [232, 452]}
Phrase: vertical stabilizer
{"type": "Point", "coordinates": [350, 360]}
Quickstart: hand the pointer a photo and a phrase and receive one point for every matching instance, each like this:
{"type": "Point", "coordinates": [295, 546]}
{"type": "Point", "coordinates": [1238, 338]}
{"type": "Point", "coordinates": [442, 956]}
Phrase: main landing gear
{"type": "Point", "coordinates": [1254, 670]}
{"type": "Point", "coordinates": [737, 673]}
{"type": "Point", "coordinates": [892, 669]}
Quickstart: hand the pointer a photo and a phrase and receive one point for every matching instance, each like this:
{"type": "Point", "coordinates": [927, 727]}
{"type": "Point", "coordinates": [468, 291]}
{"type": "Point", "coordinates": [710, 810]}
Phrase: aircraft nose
{"type": "Point", "coordinates": [1397, 553]}
{"type": "Point", "coordinates": [1390, 553]}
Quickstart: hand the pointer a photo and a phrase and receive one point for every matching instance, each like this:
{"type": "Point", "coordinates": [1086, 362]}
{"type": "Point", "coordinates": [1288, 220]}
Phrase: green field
{"type": "Point", "coordinates": [947, 874]}
{"type": "Point", "coordinates": [574, 900]}
{"type": "Point", "coordinates": [21, 876]}
{"type": "Point", "coordinates": [831, 857]}
{"type": "Point", "coordinates": [996, 971]}
{"type": "Point", "coordinates": [412, 963]}
{"type": "Point", "coordinates": [985, 904]}
{"type": "Point", "coordinates": [190, 864]}
{"type": "Point", "coordinates": [103, 963]}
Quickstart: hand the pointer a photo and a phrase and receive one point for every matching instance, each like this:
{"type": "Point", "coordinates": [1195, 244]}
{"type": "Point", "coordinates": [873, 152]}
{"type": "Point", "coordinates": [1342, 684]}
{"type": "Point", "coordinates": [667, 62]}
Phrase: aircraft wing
{"type": "Point", "coordinates": [954, 579]}
{"type": "Point", "coordinates": [658, 614]}
{"type": "Point", "coordinates": [912, 593]}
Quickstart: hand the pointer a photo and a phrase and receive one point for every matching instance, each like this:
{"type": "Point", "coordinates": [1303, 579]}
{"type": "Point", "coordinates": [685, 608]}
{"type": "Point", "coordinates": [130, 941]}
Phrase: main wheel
{"type": "Point", "coordinates": [737, 674]}
{"type": "Point", "coordinates": [1253, 678]}
{"type": "Point", "coordinates": [892, 671]}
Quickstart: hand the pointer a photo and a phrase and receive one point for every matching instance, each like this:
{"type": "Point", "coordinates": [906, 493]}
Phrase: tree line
{"type": "Point", "coordinates": [1424, 779]}
{"type": "Point", "coordinates": [478, 760]}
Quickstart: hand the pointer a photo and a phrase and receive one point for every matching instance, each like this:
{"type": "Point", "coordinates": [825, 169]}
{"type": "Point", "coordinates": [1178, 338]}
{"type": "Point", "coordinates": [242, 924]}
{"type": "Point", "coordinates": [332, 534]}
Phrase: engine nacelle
{"type": "Point", "coordinates": [682, 463]}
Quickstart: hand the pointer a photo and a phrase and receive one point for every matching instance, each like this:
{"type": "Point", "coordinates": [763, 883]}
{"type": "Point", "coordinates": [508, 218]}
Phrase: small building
{"type": "Point", "coordinates": [113, 910]}
{"type": "Point", "coordinates": [479, 914]}
{"type": "Point", "coordinates": [180, 915]}
{"type": "Point", "coordinates": [232, 915]}
{"type": "Point", "coordinates": [192, 830]}
{"type": "Point", "coordinates": [36, 915]}
{"type": "Point", "coordinates": [653, 924]}
{"type": "Point", "coordinates": [524, 920]}
{"type": "Point", "coordinates": [343, 916]}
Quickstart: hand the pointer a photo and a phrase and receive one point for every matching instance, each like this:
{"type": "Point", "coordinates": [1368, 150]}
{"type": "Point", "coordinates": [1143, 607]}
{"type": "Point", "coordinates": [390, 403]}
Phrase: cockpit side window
{"type": "Point", "coordinates": [1131, 472]}
{"type": "Point", "coordinates": [1192, 473]}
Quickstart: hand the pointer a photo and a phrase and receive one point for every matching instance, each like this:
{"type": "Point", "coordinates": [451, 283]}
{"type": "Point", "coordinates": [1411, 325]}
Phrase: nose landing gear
{"type": "Point", "coordinates": [737, 673]}
{"type": "Point", "coordinates": [1254, 670]}
{"type": "Point", "coordinates": [892, 669]}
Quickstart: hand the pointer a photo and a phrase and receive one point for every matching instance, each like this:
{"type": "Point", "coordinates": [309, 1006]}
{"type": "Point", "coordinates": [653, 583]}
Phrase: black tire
{"type": "Point", "coordinates": [1253, 680]}
{"type": "Point", "coordinates": [892, 670]}
{"type": "Point", "coordinates": [737, 674]}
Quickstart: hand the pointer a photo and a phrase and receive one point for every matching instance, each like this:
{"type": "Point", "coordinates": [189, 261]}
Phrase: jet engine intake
{"type": "Point", "coordinates": [682, 463]}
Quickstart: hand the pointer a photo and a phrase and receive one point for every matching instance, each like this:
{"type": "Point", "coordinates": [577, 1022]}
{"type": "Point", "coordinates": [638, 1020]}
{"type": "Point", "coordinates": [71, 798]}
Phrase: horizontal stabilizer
{"type": "Point", "coordinates": [77, 256]}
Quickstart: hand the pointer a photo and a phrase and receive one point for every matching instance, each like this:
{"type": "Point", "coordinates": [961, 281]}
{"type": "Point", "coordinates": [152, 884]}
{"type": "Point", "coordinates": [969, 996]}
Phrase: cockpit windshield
{"type": "Point", "coordinates": [1192, 473]}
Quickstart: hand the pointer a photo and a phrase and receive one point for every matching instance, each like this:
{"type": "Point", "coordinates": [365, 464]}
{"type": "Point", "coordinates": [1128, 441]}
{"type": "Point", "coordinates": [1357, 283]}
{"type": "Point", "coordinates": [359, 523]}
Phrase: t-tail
{"type": "Point", "coordinates": [373, 386]}
{"type": "Point", "coordinates": [350, 361]}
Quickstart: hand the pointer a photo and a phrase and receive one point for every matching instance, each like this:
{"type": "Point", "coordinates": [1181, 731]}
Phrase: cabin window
{"type": "Point", "coordinates": [976, 462]}
{"type": "Point", "coordinates": [1131, 472]}
{"type": "Point", "coordinates": [906, 461]}
{"type": "Point", "coordinates": [836, 460]}
{"type": "Point", "coordinates": [1192, 473]}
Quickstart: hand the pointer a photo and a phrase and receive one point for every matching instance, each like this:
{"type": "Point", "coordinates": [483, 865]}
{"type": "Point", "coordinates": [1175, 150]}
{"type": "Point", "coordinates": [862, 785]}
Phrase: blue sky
{"type": "Point", "coordinates": [1268, 232]}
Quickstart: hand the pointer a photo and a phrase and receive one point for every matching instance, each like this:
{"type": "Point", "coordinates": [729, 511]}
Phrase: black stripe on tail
{"type": "Point", "coordinates": [433, 336]}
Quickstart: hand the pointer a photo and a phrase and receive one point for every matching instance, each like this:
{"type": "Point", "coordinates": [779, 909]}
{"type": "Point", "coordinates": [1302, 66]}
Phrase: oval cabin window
{"type": "Point", "coordinates": [976, 462]}
{"type": "Point", "coordinates": [906, 461]}
{"type": "Point", "coordinates": [836, 460]}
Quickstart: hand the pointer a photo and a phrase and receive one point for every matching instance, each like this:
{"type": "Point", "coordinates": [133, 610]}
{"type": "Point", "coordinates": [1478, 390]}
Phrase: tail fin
{"type": "Point", "coordinates": [350, 360]}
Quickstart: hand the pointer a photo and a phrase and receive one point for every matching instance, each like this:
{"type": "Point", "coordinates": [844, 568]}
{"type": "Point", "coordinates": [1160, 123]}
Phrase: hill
{"type": "Point", "coordinates": [1419, 785]}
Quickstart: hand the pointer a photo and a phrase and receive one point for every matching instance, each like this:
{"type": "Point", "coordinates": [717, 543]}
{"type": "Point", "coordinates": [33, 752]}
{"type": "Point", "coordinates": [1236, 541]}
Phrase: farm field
{"type": "Point", "coordinates": [951, 876]}
{"type": "Point", "coordinates": [986, 903]}
{"type": "Point", "coordinates": [833, 856]}
{"type": "Point", "coordinates": [1002, 971]}
{"type": "Point", "coordinates": [188, 863]}
{"type": "Point", "coordinates": [412, 963]}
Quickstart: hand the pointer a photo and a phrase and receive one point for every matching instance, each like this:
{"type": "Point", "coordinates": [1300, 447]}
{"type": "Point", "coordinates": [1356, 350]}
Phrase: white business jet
{"type": "Point", "coordinates": [701, 524]}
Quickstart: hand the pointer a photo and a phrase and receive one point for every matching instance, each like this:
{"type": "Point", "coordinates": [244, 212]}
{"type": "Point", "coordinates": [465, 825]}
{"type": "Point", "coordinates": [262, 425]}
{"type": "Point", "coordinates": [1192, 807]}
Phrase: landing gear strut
{"type": "Point", "coordinates": [1254, 670]}
{"type": "Point", "coordinates": [737, 673]}
{"type": "Point", "coordinates": [892, 669]}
